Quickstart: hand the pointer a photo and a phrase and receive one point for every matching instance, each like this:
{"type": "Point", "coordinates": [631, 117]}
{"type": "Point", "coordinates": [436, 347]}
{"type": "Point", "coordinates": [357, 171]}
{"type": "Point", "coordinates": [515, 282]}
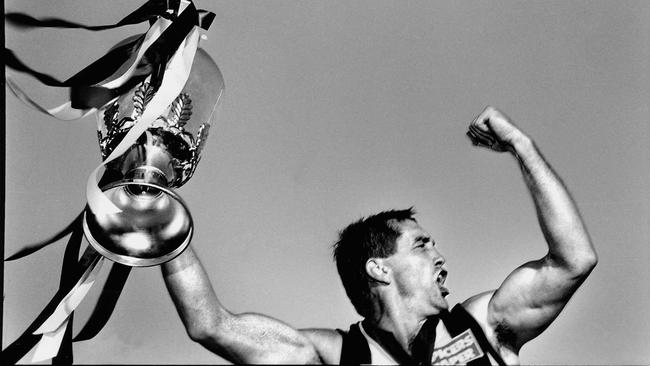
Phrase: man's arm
{"type": "Point", "coordinates": [533, 295]}
{"type": "Point", "coordinates": [239, 338]}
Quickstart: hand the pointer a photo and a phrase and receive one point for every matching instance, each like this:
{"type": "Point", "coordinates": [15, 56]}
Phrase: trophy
{"type": "Point", "coordinates": [154, 224]}
{"type": "Point", "coordinates": [155, 95]}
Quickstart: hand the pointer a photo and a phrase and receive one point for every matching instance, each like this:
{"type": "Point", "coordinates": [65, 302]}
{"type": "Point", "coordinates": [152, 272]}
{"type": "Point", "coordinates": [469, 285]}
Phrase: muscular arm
{"type": "Point", "coordinates": [239, 338]}
{"type": "Point", "coordinates": [533, 295]}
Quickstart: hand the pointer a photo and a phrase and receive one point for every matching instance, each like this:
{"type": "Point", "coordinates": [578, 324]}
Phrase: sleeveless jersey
{"type": "Point", "coordinates": [468, 346]}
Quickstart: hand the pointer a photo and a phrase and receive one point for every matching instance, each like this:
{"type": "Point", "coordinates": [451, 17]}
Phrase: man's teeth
{"type": "Point", "coordinates": [441, 278]}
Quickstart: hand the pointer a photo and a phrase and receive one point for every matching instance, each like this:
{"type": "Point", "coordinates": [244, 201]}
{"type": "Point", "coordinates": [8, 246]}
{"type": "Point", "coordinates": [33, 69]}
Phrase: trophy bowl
{"type": "Point", "coordinates": [154, 224]}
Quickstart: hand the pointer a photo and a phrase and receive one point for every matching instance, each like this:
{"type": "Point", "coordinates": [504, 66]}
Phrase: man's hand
{"type": "Point", "coordinates": [493, 129]}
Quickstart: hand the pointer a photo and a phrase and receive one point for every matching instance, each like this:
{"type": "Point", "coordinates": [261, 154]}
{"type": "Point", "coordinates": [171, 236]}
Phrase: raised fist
{"type": "Point", "coordinates": [494, 130]}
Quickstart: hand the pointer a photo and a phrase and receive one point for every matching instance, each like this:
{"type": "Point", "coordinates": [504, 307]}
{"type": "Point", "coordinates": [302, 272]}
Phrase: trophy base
{"type": "Point", "coordinates": [151, 229]}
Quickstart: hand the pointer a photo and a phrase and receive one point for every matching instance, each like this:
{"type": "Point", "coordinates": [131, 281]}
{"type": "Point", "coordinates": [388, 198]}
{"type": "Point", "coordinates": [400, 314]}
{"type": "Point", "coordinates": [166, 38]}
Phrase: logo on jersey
{"type": "Point", "coordinates": [462, 349]}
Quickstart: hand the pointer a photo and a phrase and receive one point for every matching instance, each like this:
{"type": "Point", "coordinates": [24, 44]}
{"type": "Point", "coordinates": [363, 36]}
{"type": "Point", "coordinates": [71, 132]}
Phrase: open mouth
{"type": "Point", "coordinates": [440, 280]}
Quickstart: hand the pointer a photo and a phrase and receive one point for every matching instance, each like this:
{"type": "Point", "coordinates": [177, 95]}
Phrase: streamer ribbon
{"type": "Point", "coordinates": [117, 71]}
{"type": "Point", "coordinates": [148, 11]}
{"type": "Point", "coordinates": [72, 271]}
{"type": "Point", "coordinates": [54, 327]}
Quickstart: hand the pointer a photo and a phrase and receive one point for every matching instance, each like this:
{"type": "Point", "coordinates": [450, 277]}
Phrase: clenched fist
{"type": "Point", "coordinates": [494, 130]}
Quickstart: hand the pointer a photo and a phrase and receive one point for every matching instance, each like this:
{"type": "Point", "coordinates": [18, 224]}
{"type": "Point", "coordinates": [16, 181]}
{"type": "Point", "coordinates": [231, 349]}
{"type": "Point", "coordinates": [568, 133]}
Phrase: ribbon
{"type": "Point", "coordinates": [68, 269]}
{"type": "Point", "coordinates": [105, 303]}
{"type": "Point", "coordinates": [117, 69]}
{"type": "Point", "coordinates": [76, 223]}
{"type": "Point", "coordinates": [72, 299]}
{"type": "Point", "coordinates": [71, 273]}
{"type": "Point", "coordinates": [150, 10]}
{"type": "Point", "coordinates": [86, 91]}
{"type": "Point", "coordinates": [120, 76]}
{"type": "Point", "coordinates": [54, 327]}
{"type": "Point", "coordinates": [69, 280]}
{"type": "Point", "coordinates": [48, 346]}
{"type": "Point", "coordinates": [70, 261]}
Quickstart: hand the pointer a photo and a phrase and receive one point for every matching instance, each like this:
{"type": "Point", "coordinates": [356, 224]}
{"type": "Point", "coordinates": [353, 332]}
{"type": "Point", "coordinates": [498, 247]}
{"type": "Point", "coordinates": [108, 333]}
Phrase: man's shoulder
{"type": "Point", "coordinates": [328, 343]}
{"type": "Point", "coordinates": [478, 306]}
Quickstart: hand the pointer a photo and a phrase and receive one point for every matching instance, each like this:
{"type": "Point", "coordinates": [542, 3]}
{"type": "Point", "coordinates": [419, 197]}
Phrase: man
{"type": "Point", "coordinates": [395, 276]}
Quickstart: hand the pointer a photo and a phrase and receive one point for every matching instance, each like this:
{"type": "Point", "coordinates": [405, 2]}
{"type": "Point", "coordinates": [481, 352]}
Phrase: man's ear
{"type": "Point", "coordinates": [377, 270]}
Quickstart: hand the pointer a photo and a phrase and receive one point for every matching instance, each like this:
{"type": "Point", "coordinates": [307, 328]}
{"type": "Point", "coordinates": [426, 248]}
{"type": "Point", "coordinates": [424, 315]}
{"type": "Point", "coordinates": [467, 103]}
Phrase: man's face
{"type": "Point", "coordinates": [417, 270]}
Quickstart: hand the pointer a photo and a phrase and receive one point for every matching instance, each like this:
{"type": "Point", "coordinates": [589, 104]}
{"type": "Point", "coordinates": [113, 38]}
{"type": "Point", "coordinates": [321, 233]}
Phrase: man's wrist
{"type": "Point", "coordinates": [522, 146]}
{"type": "Point", "coordinates": [521, 143]}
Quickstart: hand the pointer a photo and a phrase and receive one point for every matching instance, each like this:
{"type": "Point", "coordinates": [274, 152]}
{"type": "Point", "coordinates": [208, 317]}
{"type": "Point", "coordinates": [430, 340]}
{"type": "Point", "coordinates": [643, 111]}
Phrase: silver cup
{"type": "Point", "coordinates": [155, 224]}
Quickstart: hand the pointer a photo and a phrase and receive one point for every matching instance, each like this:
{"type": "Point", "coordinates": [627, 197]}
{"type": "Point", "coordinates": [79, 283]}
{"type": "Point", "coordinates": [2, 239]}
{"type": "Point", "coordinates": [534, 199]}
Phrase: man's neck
{"type": "Point", "coordinates": [405, 349]}
{"type": "Point", "coordinates": [401, 321]}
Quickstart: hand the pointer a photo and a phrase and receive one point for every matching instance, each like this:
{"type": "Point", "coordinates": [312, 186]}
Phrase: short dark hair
{"type": "Point", "coordinates": [371, 237]}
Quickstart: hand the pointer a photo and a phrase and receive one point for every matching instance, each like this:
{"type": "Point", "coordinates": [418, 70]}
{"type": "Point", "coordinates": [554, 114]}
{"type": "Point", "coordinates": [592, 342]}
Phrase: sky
{"type": "Point", "coordinates": [335, 110]}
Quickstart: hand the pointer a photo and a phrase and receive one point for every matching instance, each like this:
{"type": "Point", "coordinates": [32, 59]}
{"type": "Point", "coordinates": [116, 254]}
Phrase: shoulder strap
{"type": "Point", "coordinates": [355, 350]}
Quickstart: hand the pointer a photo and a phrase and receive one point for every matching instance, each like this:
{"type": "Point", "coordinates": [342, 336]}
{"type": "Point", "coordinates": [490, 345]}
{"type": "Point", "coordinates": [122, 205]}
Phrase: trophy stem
{"type": "Point", "coordinates": [146, 174]}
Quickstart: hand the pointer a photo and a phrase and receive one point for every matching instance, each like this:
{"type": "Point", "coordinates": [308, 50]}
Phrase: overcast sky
{"type": "Point", "coordinates": [338, 109]}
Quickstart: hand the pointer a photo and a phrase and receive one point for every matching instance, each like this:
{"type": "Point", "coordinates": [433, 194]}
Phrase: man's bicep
{"type": "Point", "coordinates": [529, 299]}
{"type": "Point", "coordinates": [256, 338]}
